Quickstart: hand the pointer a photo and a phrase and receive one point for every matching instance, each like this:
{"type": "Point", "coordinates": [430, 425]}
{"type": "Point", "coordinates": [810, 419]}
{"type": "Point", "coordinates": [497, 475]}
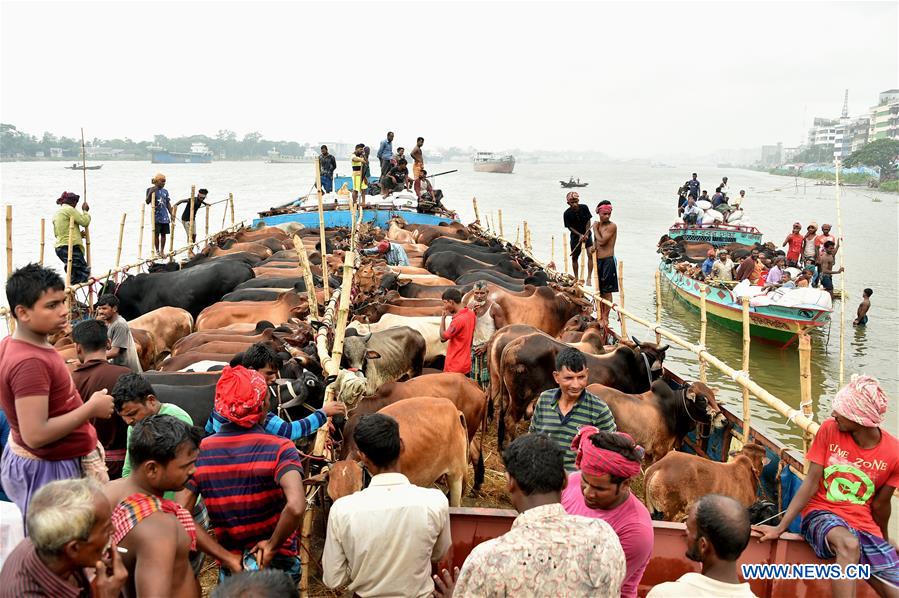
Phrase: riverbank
{"type": "Point", "coordinates": [851, 178]}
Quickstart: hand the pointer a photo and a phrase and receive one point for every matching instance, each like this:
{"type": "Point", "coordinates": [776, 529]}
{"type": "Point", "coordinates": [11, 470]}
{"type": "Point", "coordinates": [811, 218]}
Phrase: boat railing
{"type": "Point", "coordinates": [717, 225]}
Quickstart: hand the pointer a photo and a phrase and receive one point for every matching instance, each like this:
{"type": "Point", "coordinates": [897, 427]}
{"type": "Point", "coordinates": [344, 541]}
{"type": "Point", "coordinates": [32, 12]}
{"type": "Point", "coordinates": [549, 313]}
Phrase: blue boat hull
{"type": "Point", "coordinates": [342, 218]}
{"type": "Point", "coordinates": [717, 235]}
{"type": "Point", "coordinates": [180, 158]}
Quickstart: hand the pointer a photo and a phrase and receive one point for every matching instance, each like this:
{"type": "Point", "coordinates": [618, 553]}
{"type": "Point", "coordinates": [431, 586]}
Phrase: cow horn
{"type": "Point", "coordinates": [664, 348]}
{"type": "Point", "coordinates": [636, 341]}
{"type": "Point", "coordinates": [367, 338]}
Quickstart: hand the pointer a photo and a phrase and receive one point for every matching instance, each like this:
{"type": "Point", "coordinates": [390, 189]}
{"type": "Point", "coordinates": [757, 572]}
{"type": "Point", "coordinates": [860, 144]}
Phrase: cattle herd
{"type": "Point", "coordinates": [190, 319]}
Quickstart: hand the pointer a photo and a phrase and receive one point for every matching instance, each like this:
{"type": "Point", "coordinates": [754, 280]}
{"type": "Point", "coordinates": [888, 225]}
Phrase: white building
{"type": "Point", "coordinates": [884, 117]}
{"type": "Point", "coordinates": [823, 132]}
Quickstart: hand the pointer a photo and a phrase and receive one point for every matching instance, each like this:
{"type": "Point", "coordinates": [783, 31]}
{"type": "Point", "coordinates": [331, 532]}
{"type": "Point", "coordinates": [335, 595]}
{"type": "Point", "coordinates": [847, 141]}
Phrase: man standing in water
{"type": "Point", "coordinates": [861, 316]}
{"type": "Point", "coordinates": [577, 220]}
{"type": "Point", "coordinates": [606, 232]}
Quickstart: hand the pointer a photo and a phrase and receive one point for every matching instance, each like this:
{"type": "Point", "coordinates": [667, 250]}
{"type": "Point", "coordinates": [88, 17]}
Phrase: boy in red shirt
{"type": "Point", "coordinates": [793, 242]}
{"type": "Point", "coordinates": [845, 498]}
{"type": "Point", "coordinates": [51, 437]}
{"type": "Point", "coordinates": [459, 333]}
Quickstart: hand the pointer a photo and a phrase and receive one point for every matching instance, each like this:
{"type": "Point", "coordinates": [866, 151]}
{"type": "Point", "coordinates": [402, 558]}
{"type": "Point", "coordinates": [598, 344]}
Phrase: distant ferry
{"type": "Point", "coordinates": [276, 157]}
{"type": "Point", "coordinates": [491, 162]}
{"type": "Point", "coordinates": [199, 154]}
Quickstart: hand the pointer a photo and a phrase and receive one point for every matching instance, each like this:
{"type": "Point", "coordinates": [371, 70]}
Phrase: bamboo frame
{"type": "Point", "coordinates": [303, 258]}
{"type": "Point", "coordinates": [207, 219]}
{"type": "Point", "coordinates": [70, 294]}
{"type": "Point", "coordinates": [87, 230]}
{"type": "Point", "coordinates": [747, 414]}
{"type": "Point", "coordinates": [703, 324]}
{"type": "Point", "coordinates": [321, 229]}
{"type": "Point", "coordinates": [658, 305]}
{"type": "Point", "coordinates": [591, 255]}
{"type": "Point", "coordinates": [552, 251]}
{"type": "Point", "coordinates": [500, 220]}
{"type": "Point", "coordinates": [153, 223]}
{"type": "Point", "coordinates": [621, 297]}
{"type": "Point", "coordinates": [805, 382]}
{"type": "Point", "coordinates": [118, 253]}
{"type": "Point", "coordinates": [231, 203]}
{"type": "Point", "coordinates": [9, 241]}
{"type": "Point", "coordinates": [140, 234]}
{"type": "Point", "coordinates": [843, 297]}
{"type": "Point", "coordinates": [190, 225]}
{"type": "Point", "coordinates": [477, 215]}
{"type": "Point", "coordinates": [43, 227]}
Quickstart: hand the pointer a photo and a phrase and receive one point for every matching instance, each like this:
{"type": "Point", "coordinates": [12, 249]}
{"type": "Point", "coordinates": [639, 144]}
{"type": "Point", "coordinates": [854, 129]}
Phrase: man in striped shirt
{"type": "Point", "coordinates": [250, 480]}
{"type": "Point", "coordinates": [561, 411]}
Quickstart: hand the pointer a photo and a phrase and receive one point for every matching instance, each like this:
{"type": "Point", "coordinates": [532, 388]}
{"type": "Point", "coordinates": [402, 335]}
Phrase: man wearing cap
{"type": "Point", "coordinates": [723, 269]}
{"type": "Point", "coordinates": [577, 220]}
{"type": "Point", "coordinates": [607, 463]}
{"type": "Point", "coordinates": [162, 218]}
{"type": "Point", "coordinates": [708, 263]}
{"type": "Point", "coordinates": [606, 232]}
{"type": "Point", "coordinates": [249, 476]}
{"type": "Point", "coordinates": [845, 497]}
{"type": "Point", "coordinates": [793, 243]}
{"type": "Point", "coordinates": [67, 202]}
{"type": "Point", "coordinates": [199, 202]}
{"type": "Point", "coordinates": [393, 253]}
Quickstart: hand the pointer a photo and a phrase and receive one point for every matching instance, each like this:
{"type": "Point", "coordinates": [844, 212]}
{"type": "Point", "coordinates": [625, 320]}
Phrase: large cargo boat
{"type": "Point", "coordinates": [199, 154]}
{"type": "Point", "coordinates": [491, 162]}
{"type": "Point", "coordinates": [276, 157]}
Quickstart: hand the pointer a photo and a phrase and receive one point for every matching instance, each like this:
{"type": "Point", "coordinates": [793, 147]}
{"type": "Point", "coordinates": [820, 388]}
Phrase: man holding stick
{"type": "Point", "coordinates": [163, 216]}
{"type": "Point", "coordinates": [577, 220]}
{"type": "Point", "coordinates": [198, 202]}
{"type": "Point", "coordinates": [67, 202]}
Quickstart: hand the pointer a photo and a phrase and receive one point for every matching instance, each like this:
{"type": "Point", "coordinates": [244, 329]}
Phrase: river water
{"type": "Point", "coordinates": [643, 199]}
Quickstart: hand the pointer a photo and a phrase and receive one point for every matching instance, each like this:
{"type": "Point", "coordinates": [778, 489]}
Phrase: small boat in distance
{"type": "Point", "coordinates": [199, 154]}
{"type": "Point", "coordinates": [491, 162]}
{"type": "Point", "coordinates": [83, 167]}
{"type": "Point", "coordinates": [571, 182]}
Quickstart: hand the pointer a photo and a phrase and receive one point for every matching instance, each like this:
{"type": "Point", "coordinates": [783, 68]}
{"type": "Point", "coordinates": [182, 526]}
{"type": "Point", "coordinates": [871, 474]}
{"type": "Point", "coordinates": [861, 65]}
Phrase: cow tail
{"type": "Point", "coordinates": [467, 447]}
{"type": "Point", "coordinates": [193, 323]}
{"type": "Point", "coordinates": [501, 415]}
{"type": "Point", "coordinates": [479, 466]}
{"type": "Point", "coordinates": [647, 479]}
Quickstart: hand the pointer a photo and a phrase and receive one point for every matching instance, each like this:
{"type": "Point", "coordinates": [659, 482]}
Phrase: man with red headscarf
{"type": "Point", "coordinates": [845, 497]}
{"type": "Point", "coordinates": [393, 253]}
{"type": "Point", "coordinates": [67, 202]}
{"type": "Point", "coordinates": [606, 233]}
{"type": "Point", "coordinates": [607, 462]}
{"type": "Point", "coordinates": [250, 480]}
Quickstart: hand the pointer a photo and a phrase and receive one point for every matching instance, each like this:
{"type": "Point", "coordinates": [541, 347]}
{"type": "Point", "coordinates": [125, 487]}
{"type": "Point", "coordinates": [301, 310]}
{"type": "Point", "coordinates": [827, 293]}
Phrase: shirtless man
{"type": "Point", "coordinates": [861, 316]}
{"type": "Point", "coordinates": [826, 262]}
{"type": "Point", "coordinates": [490, 318]}
{"type": "Point", "coordinates": [157, 533]}
{"type": "Point", "coordinates": [605, 233]}
{"type": "Point", "coordinates": [418, 158]}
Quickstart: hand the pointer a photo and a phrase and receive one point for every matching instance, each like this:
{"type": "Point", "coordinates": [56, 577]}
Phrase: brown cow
{"type": "Point", "coordinates": [265, 232]}
{"type": "Point", "coordinates": [301, 334]}
{"type": "Point", "coordinates": [372, 312]}
{"type": "Point", "coordinates": [435, 444]}
{"type": "Point", "coordinates": [678, 480]}
{"type": "Point", "coordinates": [252, 247]}
{"type": "Point", "coordinates": [282, 309]}
{"type": "Point", "coordinates": [545, 309]}
{"type": "Point", "coordinates": [428, 232]}
{"type": "Point", "coordinates": [660, 418]}
{"type": "Point", "coordinates": [168, 325]}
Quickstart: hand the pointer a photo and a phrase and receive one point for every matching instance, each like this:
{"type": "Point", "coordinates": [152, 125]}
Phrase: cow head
{"type": "Point", "coordinates": [367, 280]}
{"type": "Point", "coordinates": [654, 353]}
{"type": "Point", "coordinates": [344, 478]}
{"type": "Point", "coordinates": [356, 351]}
{"type": "Point", "coordinates": [296, 398]}
{"type": "Point", "coordinates": [763, 511]}
{"type": "Point", "coordinates": [699, 400]}
{"type": "Point", "coordinates": [756, 455]}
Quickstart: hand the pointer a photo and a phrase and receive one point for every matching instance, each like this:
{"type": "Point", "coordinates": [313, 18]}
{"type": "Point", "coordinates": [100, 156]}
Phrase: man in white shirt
{"type": "Point", "coordinates": [717, 534]}
{"type": "Point", "coordinates": [381, 541]}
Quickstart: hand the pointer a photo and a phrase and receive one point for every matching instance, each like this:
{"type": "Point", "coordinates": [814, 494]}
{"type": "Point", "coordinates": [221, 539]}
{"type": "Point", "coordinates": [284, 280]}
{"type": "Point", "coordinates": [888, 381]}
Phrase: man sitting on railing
{"type": "Point", "coordinates": [845, 498]}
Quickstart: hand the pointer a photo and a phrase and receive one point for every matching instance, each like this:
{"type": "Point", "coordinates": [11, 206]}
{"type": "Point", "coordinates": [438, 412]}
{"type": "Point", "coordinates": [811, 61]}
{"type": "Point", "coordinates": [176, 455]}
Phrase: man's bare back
{"type": "Point", "coordinates": [605, 235]}
{"type": "Point", "coordinates": [158, 551]}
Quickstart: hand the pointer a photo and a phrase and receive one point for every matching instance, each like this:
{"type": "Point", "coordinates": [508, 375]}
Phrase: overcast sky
{"type": "Point", "coordinates": [629, 79]}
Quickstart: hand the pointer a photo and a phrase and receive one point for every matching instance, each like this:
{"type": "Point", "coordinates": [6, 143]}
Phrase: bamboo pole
{"type": "Point", "coordinates": [500, 220]}
{"type": "Point", "coordinates": [118, 253]}
{"type": "Point", "coordinates": [805, 382]}
{"type": "Point", "coordinates": [224, 214]}
{"type": "Point", "coordinates": [69, 292]}
{"type": "Point", "coordinates": [658, 305]}
{"type": "Point", "coordinates": [140, 234]}
{"type": "Point", "coordinates": [303, 258]}
{"type": "Point", "coordinates": [231, 203]}
{"type": "Point", "coordinates": [552, 251]}
{"type": "Point", "coordinates": [207, 221]}
{"type": "Point", "coordinates": [190, 225]}
{"type": "Point", "coordinates": [620, 297]}
{"type": "Point", "coordinates": [517, 235]}
{"type": "Point", "coordinates": [591, 255]}
{"type": "Point", "coordinates": [477, 215]}
{"type": "Point", "coordinates": [172, 235]}
{"type": "Point", "coordinates": [746, 340]}
{"type": "Point", "coordinates": [9, 241]}
{"type": "Point", "coordinates": [343, 311]}
{"type": "Point", "coordinates": [87, 230]}
{"type": "Point", "coordinates": [43, 227]}
{"type": "Point", "coordinates": [703, 321]}
{"type": "Point", "coordinates": [843, 297]}
{"type": "Point", "coordinates": [153, 224]}
{"type": "Point", "coordinates": [321, 230]}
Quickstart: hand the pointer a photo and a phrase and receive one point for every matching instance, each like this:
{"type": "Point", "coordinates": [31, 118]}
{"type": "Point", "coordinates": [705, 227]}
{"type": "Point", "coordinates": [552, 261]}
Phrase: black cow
{"type": "Point", "coordinates": [461, 248]}
{"type": "Point", "coordinates": [538, 279]}
{"type": "Point", "coordinates": [452, 265]}
{"type": "Point", "coordinates": [241, 256]}
{"type": "Point", "coordinates": [284, 282]}
{"type": "Point", "coordinates": [262, 294]}
{"type": "Point", "coordinates": [193, 289]}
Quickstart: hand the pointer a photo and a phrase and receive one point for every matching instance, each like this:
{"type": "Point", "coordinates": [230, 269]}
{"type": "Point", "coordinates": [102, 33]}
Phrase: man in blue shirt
{"type": "Point", "coordinates": [328, 164]}
{"type": "Point", "coordinates": [692, 186]}
{"type": "Point", "coordinates": [164, 211]}
{"type": "Point", "coordinates": [385, 153]}
{"type": "Point", "coordinates": [392, 252]}
{"type": "Point", "coordinates": [708, 263]}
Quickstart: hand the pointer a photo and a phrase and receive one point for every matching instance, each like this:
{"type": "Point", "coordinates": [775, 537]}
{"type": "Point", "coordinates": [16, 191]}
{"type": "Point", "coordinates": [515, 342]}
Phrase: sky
{"type": "Point", "coordinates": [632, 79]}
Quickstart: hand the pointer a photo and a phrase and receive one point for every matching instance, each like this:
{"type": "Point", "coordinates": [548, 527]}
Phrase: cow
{"type": "Point", "coordinates": [168, 325]}
{"type": "Point", "coordinates": [247, 258]}
{"type": "Point", "coordinates": [263, 232]}
{"type": "Point", "coordinates": [661, 418]}
{"type": "Point", "coordinates": [296, 334]}
{"type": "Point", "coordinates": [428, 327]}
{"type": "Point", "coordinates": [452, 265]}
{"type": "Point", "coordinates": [286, 306]}
{"type": "Point", "coordinates": [435, 444]}
{"type": "Point", "coordinates": [427, 233]}
{"type": "Point", "coordinates": [545, 309]}
{"type": "Point", "coordinates": [286, 282]}
{"type": "Point", "coordinates": [677, 480]}
{"type": "Point", "coordinates": [396, 232]}
{"type": "Point", "coordinates": [182, 378]}
{"type": "Point", "coordinates": [385, 356]}
{"type": "Point", "coordinates": [193, 289]}
{"type": "Point", "coordinates": [373, 312]}
{"type": "Point", "coordinates": [527, 364]}
{"type": "Point", "coordinates": [431, 280]}
{"type": "Point", "coordinates": [230, 246]}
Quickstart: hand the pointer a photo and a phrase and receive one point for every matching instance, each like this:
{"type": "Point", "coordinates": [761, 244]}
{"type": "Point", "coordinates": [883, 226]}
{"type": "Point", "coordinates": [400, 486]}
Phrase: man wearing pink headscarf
{"type": "Point", "coordinates": [607, 462]}
{"type": "Point", "coordinates": [845, 498]}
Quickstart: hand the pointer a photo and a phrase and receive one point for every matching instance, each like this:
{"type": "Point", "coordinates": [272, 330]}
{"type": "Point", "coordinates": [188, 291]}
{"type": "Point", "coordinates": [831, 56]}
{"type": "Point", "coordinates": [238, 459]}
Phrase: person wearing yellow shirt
{"type": "Point", "coordinates": [67, 202]}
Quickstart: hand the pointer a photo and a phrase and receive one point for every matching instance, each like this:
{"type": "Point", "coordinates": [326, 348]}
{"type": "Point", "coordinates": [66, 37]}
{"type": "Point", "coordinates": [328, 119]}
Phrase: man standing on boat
{"type": "Point", "coordinates": [692, 186]}
{"type": "Point", "coordinates": [357, 161]}
{"type": "Point", "coordinates": [826, 264]}
{"type": "Point", "coordinates": [606, 233]}
{"type": "Point", "coordinates": [809, 250]}
{"type": "Point", "coordinates": [708, 264]}
{"type": "Point", "coordinates": [793, 243]}
{"type": "Point", "coordinates": [162, 218]}
{"type": "Point", "coordinates": [748, 270]}
{"type": "Point", "coordinates": [385, 154]}
{"type": "Point", "coordinates": [577, 220]}
{"type": "Point", "coordinates": [723, 269]}
{"type": "Point", "coordinates": [67, 202]}
{"type": "Point", "coordinates": [199, 202]}
{"type": "Point", "coordinates": [691, 211]}
{"type": "Point", "coordinates": [845, 498]}
{"type": "Point", "coordinates": [327, 165]}
{"type": "Point", "coordinates": [418, 158]}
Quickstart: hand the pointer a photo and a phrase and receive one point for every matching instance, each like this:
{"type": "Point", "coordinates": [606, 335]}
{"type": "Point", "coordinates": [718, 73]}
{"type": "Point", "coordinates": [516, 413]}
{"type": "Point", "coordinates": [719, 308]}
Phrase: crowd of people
{"type": "Point", "coordinates": [689, 194]}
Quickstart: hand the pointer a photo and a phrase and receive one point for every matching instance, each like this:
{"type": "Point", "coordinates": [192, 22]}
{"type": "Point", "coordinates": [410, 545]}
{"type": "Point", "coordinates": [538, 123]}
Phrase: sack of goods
{"type": "Point", "coordinates": [735, 216]}
{"type": "Point", "coordinates": [712, 216]}
{"type": "Point", "coordinates": [704, 204]}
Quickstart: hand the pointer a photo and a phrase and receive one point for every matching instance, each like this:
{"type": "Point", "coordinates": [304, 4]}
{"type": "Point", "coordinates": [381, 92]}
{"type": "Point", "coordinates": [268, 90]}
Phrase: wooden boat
{"type": "Point", "coordinates": [82, 167]}
{"type": "Point", "coordinates": [570, 183]}
{"type": "Point", "coordinates": [773, 322]}
{"type": "Point", "coordinates": [717, 234]}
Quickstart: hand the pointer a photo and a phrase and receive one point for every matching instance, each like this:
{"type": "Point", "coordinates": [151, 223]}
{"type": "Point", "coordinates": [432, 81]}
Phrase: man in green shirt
{"type": "Point", "coordinates": [67, 202]}
{"type": "Point", "coordinates": [560, 412]}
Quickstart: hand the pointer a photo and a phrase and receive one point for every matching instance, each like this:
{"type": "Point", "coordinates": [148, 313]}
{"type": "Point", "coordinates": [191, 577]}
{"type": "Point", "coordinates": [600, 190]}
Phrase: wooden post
{"type": "Point", "coordinates": [172, 237]}
{"type": "Point", "coordinates": [552, 250]}
{"type": "Point", "coordinates": [140, 234]}
{"type": "Point", "coordinates": [566, 257]}
{"type": "Point", "coordinates": [517, 234]}
{"type": "Point", "coordinates": [224, 214]}
{"type": "Point", "coordinates": [87, 230]}
{"type": "Point", "coordinates": [477, 215]}
{"type": "Point", "coordinates": [231, 203]}
{"type": "Point", "coordinates": [190, 225]}
{"type": "Point", "coordinates": [343, 310]}
{"type": "Point", "coordinates": [118, 253]}
{"type": "Point", "coordinates": [69, 293]}
{"type": "Point", "coordinates": [658, 305]}
{"type": "Point", "coordinates": [620, 296]}
{"type": "Point", "coordinates": [524, 234]}
{"type": "Point", "coordinates": [153, 221]}
{"type": "Point", "coordinates": [746, 412]}
{"type": "Point", "coordinates": [500, 219]}
{"type": "Point", "coordinates": [207, 223]}
{"type": "Point", "coordinates": [9, 244]}
{"type": "Point", "coordinates": [591, 255]}
{"type": "Point", "coordinates": [703, 292]}
{"type": "Point", "coordinates": [321, 230]}
{"type": "Point", "coordinates": [843, 298]}
{"type": "Point", "coordinates": [303, 258]}
{"type": "Point", "coordinates": [805, 381]}
{"type": "Point", "coordinates": [489, 219]}
{"type": "Point", "coordinates": [43, 227]}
